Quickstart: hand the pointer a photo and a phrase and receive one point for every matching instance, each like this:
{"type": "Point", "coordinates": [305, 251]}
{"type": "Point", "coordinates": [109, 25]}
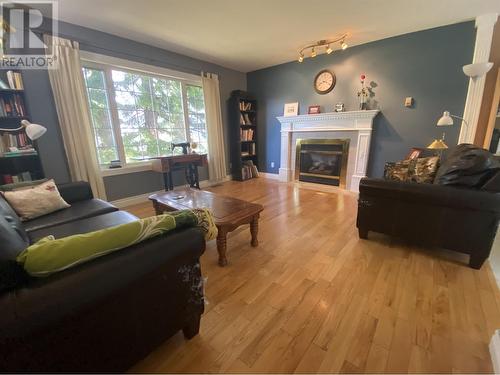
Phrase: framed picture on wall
{"type": "Point", "coordinates": [314, 110]}
{"type": "Point", "coordinates": [414, 153]}
{"type": "Point", "coordinates": [291, 109]}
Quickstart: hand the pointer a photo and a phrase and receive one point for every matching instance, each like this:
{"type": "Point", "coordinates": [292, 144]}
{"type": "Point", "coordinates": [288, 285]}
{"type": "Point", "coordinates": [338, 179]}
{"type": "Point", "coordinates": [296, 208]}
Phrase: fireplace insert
{"type": "Point", "coordinates": [323, 161]}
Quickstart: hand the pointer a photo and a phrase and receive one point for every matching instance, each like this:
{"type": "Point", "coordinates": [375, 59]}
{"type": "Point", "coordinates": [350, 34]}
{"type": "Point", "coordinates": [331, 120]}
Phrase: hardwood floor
{"type": "Point", "coordinates": [313, 297]}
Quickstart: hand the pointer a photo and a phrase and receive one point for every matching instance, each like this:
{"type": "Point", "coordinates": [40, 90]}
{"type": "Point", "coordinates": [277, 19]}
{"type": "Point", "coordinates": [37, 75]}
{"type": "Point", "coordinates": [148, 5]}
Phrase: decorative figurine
{"type": "Point", "coordinates": [339, 107]}
{"type": "Point", "coordinates": [363, 93]}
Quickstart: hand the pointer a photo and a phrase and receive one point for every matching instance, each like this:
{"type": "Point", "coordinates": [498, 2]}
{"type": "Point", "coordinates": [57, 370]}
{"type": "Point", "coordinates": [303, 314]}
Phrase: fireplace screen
{"type": "Point", "coordinates": [322, 161]}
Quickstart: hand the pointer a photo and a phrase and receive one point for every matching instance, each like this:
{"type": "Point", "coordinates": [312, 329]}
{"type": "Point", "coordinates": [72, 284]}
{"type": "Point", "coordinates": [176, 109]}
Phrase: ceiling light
{"type": "Point", "coordinates": [324, 43]}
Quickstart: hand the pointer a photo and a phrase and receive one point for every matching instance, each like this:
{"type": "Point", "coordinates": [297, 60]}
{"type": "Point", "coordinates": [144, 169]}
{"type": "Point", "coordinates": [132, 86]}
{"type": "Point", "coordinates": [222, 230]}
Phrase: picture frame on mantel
{"type": "Point", "coordinates": [314, 110]}
{"type": "Point", "coordinates": [291, 109]}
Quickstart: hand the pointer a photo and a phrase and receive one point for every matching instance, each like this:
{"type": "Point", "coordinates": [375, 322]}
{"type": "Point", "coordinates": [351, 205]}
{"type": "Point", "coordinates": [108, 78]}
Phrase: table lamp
{"type": "Point", "coordinates": [33, 131]}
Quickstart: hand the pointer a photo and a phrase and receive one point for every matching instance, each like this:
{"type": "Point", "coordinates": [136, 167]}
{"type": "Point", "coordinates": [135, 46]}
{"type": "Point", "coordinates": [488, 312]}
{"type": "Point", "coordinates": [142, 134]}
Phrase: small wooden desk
{"type": "Point", "coordinates": [187, 162]}
{"type": "Point", "coordinates": [229, 213]}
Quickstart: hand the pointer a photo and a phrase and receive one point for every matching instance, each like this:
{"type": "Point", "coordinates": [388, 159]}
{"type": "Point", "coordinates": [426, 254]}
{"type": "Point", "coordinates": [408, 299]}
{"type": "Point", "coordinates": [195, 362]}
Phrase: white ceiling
{"type": "Point", "coordinates": [253, 34]}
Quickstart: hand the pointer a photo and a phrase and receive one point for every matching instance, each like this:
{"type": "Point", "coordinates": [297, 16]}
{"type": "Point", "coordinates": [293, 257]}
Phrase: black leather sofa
{"type": "Point", "coordinates": [459, 212]}
{"type": "Point", "coordinates": [105, 315]}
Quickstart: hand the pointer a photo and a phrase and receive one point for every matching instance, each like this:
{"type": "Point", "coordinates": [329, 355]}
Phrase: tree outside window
{"type": "Point", "coordinates": [139, 116]}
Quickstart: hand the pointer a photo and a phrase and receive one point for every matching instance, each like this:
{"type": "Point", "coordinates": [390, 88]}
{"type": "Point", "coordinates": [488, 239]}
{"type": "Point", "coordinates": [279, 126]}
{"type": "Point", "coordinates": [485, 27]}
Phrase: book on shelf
{"type": "Point", "coordinates": [250, 152]}
{"type": "Point", "coordinates": [246, 134]}
{"type": "Point", "coordinates": [12, 106]}
{"type": "Point", "coordinates": [15, 80]}
{"type": "Point", "coordinates": [245, 119]}
{"type": "Point", "coordinates": [249, 170]}
{"type": "Point", "coordinates": [245, 106]}
{"type": "Point", "coordinates": [15, 144]}
{"type": "Point", "coordinates": [20, 177]}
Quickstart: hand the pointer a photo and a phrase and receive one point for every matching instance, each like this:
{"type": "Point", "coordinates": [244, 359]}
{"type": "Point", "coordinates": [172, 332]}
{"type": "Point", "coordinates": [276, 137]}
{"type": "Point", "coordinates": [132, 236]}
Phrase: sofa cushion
{"type": "Point", "coordinates": [13, 238]}
{"type": "Point", "coordinates": [77, 211]}
{"type": "Point", "coordinates": [90, 224]}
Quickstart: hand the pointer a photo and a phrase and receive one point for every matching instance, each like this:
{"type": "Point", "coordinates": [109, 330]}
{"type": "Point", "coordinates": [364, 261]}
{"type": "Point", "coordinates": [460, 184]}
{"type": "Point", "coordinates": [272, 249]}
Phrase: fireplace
{"type": "Point", "coordinates": [323, 161]}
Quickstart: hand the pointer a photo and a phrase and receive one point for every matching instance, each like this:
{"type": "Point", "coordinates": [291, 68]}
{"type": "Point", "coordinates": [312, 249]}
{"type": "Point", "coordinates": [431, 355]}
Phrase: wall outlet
{"type": "Point", "coordinates": [408, 101]}
{"type": "Point", "coordinates": [272, 164]}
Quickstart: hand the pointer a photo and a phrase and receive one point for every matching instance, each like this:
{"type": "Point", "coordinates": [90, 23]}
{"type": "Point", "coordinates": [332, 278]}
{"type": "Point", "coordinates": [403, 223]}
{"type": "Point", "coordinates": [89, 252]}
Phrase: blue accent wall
{"type": "Point", "coordinates": [42, 109]}
{"type": "Point", "coordinates": [425, 65]}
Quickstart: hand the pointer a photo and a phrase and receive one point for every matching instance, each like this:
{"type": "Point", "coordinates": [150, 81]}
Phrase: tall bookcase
{"type": "Point", "coordinates": [243, 135]}
{"type": "Point", "coordinates": [21, 166]}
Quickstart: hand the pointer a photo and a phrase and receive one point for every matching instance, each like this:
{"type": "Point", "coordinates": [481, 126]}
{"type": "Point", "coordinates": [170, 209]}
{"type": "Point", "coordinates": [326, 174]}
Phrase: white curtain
{"type": "Point", "coordinates": [74, 116]}
{"type": "Point", "coordinates": [216, 147]}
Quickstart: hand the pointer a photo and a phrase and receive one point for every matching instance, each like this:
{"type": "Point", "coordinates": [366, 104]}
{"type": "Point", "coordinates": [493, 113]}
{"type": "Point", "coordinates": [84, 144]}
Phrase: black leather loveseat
{"type": "Point", "coordinates": [459, 212]}
{"type": "Point", "coordinates": [105, 315]}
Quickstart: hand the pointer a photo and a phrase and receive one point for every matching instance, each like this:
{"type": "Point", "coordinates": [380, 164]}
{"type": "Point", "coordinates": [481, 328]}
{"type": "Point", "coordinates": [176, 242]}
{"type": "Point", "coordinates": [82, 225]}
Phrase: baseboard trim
{"type": "Point", "coordinates": [142, 198]}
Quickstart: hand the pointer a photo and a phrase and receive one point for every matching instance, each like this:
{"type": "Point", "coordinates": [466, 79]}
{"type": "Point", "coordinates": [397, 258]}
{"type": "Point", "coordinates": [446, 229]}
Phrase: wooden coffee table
{"type": "Point", "coordinates": [229, 213]}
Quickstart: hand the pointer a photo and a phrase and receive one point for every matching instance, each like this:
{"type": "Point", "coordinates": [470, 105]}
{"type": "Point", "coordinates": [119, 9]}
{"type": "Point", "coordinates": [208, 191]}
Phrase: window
{"type": "Point", "coordinates": [137, 115]}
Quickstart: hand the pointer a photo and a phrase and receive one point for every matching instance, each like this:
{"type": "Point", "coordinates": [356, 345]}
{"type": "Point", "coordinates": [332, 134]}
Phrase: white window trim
{"type": "Point", "coordinates": [116, 62]}
{"type": "Point", "coordinates": [128, 168]}
{"type": "Point", "coordinates": [105, 63]}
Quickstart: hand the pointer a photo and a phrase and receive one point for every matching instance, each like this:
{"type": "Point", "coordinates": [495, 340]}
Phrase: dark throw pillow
{"type": "Point", "coordinates": [467, 166]}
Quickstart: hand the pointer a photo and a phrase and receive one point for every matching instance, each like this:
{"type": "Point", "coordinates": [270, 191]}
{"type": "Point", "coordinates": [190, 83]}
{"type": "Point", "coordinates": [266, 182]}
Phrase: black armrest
{"type": "Point", "coordinates": [75, 191]}
{"type": "Point", "coordinates": [430, 194]}
{"type": "Point", "coordinates": [52, 297]}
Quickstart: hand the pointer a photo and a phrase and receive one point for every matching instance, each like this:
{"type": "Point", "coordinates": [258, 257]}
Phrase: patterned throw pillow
{"type": "Point", "coordinates": [35, 201]}
{"type": "Point", "coordinates": [424, 170]}
{"type": "Point", "coordinates": [398, 171]}
{"type": "Point", "coordinates": [421, 170]}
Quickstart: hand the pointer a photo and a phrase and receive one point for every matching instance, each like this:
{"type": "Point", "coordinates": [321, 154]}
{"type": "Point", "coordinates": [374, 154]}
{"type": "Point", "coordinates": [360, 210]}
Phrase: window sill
{"type": "Point", "coordinates": [129, 168]}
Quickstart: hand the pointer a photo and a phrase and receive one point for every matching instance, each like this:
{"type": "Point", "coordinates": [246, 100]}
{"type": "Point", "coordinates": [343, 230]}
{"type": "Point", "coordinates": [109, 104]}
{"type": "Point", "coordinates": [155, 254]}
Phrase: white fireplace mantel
{"type": "Point", "coordinates": [357, 125]}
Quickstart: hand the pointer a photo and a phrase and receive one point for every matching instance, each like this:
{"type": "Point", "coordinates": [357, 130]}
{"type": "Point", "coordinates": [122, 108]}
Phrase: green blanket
{"type": "Point", "coordinates": [50, 255]}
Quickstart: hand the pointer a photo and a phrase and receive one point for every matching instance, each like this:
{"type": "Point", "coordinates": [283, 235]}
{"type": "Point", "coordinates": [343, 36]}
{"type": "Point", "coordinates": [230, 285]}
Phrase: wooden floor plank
{"type": "Point", "coordinates": [313, 297]}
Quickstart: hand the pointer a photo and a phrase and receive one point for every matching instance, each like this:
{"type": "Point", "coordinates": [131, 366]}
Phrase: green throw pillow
{"type": "Point", "coordinates": [51, 255]}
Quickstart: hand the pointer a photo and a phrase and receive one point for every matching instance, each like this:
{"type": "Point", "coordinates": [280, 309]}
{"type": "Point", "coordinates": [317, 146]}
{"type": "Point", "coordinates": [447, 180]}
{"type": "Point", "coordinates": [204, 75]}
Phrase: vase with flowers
{"type": "Point", "coordinates": [363, 93]}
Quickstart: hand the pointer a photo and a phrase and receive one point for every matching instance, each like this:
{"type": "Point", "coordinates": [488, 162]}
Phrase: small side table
{"type": "Point", "coordinates": [187, 162]}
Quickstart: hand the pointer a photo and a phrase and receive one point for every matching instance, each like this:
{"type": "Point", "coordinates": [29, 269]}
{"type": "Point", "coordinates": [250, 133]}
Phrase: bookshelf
{"type": "Point", "coordinates": [243, 135]}
{"type": "Point", "coordinates": [23, 162]}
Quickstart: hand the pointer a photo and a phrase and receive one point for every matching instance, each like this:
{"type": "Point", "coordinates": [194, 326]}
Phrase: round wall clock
{"type": "Point", "coordinates": [324, 82]}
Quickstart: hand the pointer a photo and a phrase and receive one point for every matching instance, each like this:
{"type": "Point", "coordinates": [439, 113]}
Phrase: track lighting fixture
{"type": "Point", "coordinates": [326, 44]}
